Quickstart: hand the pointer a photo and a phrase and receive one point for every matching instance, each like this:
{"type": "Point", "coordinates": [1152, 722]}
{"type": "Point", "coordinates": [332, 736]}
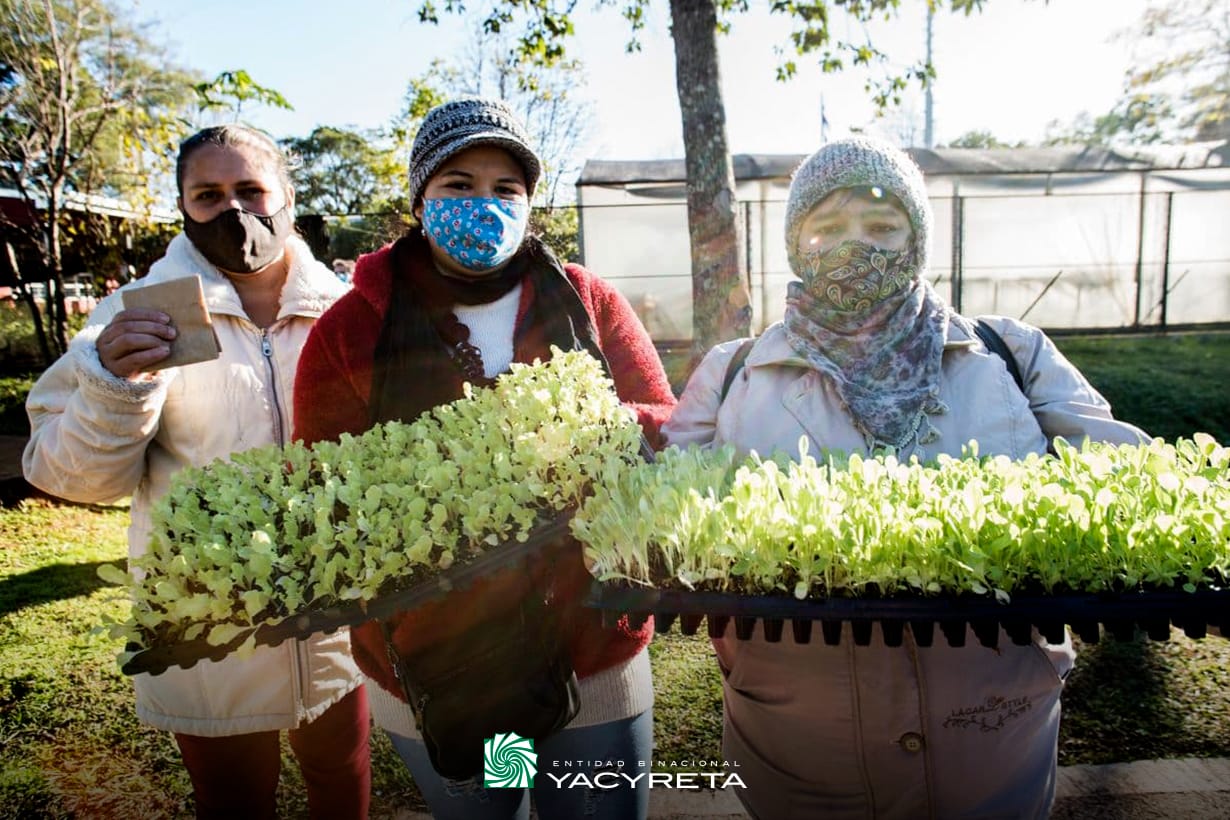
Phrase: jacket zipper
{"type": "Point", "coordinates": [279, 435]}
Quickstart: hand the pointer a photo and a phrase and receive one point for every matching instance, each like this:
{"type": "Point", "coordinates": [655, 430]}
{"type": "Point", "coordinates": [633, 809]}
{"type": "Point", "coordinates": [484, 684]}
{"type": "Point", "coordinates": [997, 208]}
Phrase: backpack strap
{"type": "Point", "coordinates": [995, 344]}
{"type": "Point", "coordinates": [735, 365]}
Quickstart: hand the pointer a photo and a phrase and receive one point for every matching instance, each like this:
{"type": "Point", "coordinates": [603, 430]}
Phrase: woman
{"type": "Point", "coordinates": [107, 423]}
{"type": "Point", "coordinates": [868, 356]}
{"type": "Point", "coordinates": [455, 301]}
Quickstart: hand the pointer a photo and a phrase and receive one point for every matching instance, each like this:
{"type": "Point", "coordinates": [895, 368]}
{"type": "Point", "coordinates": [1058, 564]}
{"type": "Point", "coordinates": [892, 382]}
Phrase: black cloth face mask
{"type": "Point", "coordinates": [241, 241]}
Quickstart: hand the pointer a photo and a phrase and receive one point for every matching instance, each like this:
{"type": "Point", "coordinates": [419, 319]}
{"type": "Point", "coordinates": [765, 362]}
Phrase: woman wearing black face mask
{"type": "Point", "coordinates": [107, 423]}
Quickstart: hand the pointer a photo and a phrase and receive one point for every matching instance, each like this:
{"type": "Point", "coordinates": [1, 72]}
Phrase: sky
{"type": "Point", "coordinates": [1010, 70]}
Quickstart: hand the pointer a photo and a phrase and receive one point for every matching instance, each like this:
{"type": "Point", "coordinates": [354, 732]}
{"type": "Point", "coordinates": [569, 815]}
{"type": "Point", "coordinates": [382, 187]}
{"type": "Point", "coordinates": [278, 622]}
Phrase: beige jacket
{"type": "Point", "coordinates": [98, 438]}
{"type": "Point", "coordinates": [912, 732]}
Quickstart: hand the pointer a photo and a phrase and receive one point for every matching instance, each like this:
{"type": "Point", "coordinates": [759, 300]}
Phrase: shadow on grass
{"type": "Point", "coordinates": [25, 792]}
{"type": "Point", "coordinates": [55, 582]}
{"type": "Point", "coordinates": [1116, 705]}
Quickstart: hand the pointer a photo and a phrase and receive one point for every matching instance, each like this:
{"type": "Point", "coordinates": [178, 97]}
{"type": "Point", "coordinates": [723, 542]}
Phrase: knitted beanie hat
{"type": "Point", "coordinates": [455, 126]}
{"type": "Point", "coordinates": [856, 162]}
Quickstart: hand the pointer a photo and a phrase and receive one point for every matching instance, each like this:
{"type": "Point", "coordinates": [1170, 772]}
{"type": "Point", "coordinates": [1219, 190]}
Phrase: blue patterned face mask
{"type": "Point", "coordinates": [478, 233]}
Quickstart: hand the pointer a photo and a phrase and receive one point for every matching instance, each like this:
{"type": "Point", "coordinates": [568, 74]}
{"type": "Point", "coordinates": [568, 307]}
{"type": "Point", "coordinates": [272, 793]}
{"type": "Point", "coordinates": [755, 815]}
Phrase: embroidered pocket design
{"type": "Point", "coordinates": [990, 716]}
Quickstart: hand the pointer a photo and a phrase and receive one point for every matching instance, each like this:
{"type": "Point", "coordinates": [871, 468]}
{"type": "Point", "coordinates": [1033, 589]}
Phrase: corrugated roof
{"type": "Point", "coordinates": [94, 203]}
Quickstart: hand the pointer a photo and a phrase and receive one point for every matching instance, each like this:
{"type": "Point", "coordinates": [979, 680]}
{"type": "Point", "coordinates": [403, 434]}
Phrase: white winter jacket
{"type": "Point", "coordinates": [846, 731]}
{"type": "Point", "coordinates": [98, 438]}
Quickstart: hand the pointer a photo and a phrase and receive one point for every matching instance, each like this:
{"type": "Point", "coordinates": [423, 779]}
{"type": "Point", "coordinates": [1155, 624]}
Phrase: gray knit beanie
{"type": "Point", "coordinates": [857, 162]}
{"type": "Point", "coordinates": [455, 126]}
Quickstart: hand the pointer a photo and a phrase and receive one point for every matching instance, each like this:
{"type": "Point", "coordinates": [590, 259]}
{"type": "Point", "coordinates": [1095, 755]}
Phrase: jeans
{"type": "Point", "coordinates": [566, 756]}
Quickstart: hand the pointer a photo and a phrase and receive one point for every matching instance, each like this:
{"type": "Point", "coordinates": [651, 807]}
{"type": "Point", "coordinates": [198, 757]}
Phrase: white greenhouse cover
{"type": "Point", "coordinates": [1063, 237]}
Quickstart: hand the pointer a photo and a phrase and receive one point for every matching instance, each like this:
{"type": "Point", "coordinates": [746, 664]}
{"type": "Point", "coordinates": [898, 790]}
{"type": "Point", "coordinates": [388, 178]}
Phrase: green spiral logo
{"type": "Point", "coordinates": [509, 762]}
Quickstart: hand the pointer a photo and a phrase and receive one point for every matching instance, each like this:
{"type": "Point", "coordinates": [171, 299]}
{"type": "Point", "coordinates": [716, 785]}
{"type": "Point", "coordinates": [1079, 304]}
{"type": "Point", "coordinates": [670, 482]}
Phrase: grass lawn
{"type": "Point", "coordinates": [73, 746]}
{"type": "Point", "coordinates": [1171, 385]}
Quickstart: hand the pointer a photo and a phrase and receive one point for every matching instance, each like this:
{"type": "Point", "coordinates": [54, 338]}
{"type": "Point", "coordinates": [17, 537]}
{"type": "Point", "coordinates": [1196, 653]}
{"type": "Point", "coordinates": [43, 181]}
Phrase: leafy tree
{"type": "Point", "coordinates": [979, 139]}
{"type": "Point", "coordinates": [1139, 119]}
{"type": "Point", "coordinates": [231, 90]}
{"type": "Point", "coordinates": [1193, 39]}
{"type": "Point", "coordinates": [1180, 87]}
{"type": "Point", "coordinates": [342, 172]}
{"type": "Point", "coordinates": [351, 236]}
{"type": "Point", "coordinates": [543, 94]}
{"type": "Point", "coordinates": [88, 106]}
{"type": "Point", "coordinates": [719, 285]}
{"type": "Point", "coordinates": [558, 229]}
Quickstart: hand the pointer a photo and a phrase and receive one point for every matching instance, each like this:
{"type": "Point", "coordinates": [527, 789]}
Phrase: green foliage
{"type": "Point", "coordinates": [231, 90]}
{"type": "Point", "coordinates": [542, 29]}
{"type": "Point", "coordinates": [13, 392]}
{"type": "Point", "coordinates": [276, 531]}
{"type": "Point", "coordinates": [558, 228]}
{"type": "Point", "coordinates": [1139, 119]}
{"type": "Point", "coordinates": [73, 745]}
{"type": "Point", "coordinates": [1178, 87]}
{"type": "Point", "coordinates": [1199, 65]}
{"type": "Point", "coordinates": [979, 139]}
{"type": "Point", "coordinates": [89, 107]}
{"type": "Point", "coordinates": [544, 95]}
{"type": "Point", "coordinates": [1094, 519]}
{"type": "Point", "coordinates": [1170, 385]}
{"type": "Point", "coordinates": [342, 172]}
{"type": "Point", "coordinates": [19, 351]}
{"type": "Point", "coordinates": [1144, 699]}
{"type": "Point", "coordinates": [350, 237]}
{"type": "Point", "coordinates": [687, 699]}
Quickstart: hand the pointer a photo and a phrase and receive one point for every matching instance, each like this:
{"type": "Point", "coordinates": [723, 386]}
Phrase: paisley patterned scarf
{"type": "Point", "coordinates": [865, 317]}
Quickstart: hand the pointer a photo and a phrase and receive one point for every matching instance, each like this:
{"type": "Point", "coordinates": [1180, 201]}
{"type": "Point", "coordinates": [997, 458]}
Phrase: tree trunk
{"type": "Point", "coordinates": [55, 284]}
{"type": "Point", "coordinates": [721, 307]}
{"type": "Point", "coordinates": [36, 316]}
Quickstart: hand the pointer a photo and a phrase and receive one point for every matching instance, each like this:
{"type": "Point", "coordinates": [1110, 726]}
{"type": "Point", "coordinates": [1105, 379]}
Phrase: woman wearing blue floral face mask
{"type": "Point", "coordinates": [457, 300]}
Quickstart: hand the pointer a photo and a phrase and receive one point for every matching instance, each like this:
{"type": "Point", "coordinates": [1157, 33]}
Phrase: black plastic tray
{"type": "Point", "coordinates": [1119, 614]}
{"type": "Point", "coordinates": [186, 654]}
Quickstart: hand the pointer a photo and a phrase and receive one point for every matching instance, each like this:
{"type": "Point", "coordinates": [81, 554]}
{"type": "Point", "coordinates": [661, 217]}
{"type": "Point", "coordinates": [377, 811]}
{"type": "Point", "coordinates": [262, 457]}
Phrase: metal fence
{"type": "Point", "coordinates": [1136, 252]}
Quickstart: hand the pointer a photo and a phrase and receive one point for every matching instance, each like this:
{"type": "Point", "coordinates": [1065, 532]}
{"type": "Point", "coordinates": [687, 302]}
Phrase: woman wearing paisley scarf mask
{"type": "Point", "coordinates": [107, 423]}
{"type": "Point", "coordinates": [869, 356]}
{"type": "Point", "coordinates": [453, 301]}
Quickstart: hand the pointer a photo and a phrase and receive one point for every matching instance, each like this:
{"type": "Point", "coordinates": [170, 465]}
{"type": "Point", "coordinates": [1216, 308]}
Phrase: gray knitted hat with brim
{"type": "Point", "coordinates": [455, 126]}
{"type": "Point", "coordinates": [859, 162]}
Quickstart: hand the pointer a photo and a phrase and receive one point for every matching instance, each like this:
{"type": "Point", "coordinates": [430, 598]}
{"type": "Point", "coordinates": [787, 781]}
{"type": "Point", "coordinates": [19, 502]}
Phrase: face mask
{"type": "Point", "coordinates": [478, 233]}
{"type": "Point", "coordinates": [853, 276]}
{"type": "Point", "coordinates": [240, 241]}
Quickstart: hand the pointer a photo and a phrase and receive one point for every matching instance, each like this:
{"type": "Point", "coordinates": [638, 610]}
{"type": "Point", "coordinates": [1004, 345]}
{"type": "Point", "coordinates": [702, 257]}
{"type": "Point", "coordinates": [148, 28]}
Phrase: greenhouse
{"type": "Point", "coordinates": [1066, 238]}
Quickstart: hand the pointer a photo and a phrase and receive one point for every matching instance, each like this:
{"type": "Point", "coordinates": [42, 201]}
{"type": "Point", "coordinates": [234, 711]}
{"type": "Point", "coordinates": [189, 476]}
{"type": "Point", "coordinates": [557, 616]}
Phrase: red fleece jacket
{"type": "Point", "coordinates": [332, 386]}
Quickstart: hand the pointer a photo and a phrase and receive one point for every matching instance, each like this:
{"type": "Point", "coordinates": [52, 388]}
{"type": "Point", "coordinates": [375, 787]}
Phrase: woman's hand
{"type": "Point", "coordinates": [135, 339]}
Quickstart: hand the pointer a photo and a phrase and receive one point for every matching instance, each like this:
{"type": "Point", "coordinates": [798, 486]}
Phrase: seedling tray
{"type": "Point", "coordinates": [1119, 615]}
{"type": "Point", "coordinates": [543, 541]}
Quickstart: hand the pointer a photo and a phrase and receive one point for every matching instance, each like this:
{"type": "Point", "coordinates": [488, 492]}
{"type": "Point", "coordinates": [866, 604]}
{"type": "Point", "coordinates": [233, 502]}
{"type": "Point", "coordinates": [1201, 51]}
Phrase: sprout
{"type": "Point", "coordinates": [277, 530]}
{"type": "Point", "coordinates": [1098, 517]}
